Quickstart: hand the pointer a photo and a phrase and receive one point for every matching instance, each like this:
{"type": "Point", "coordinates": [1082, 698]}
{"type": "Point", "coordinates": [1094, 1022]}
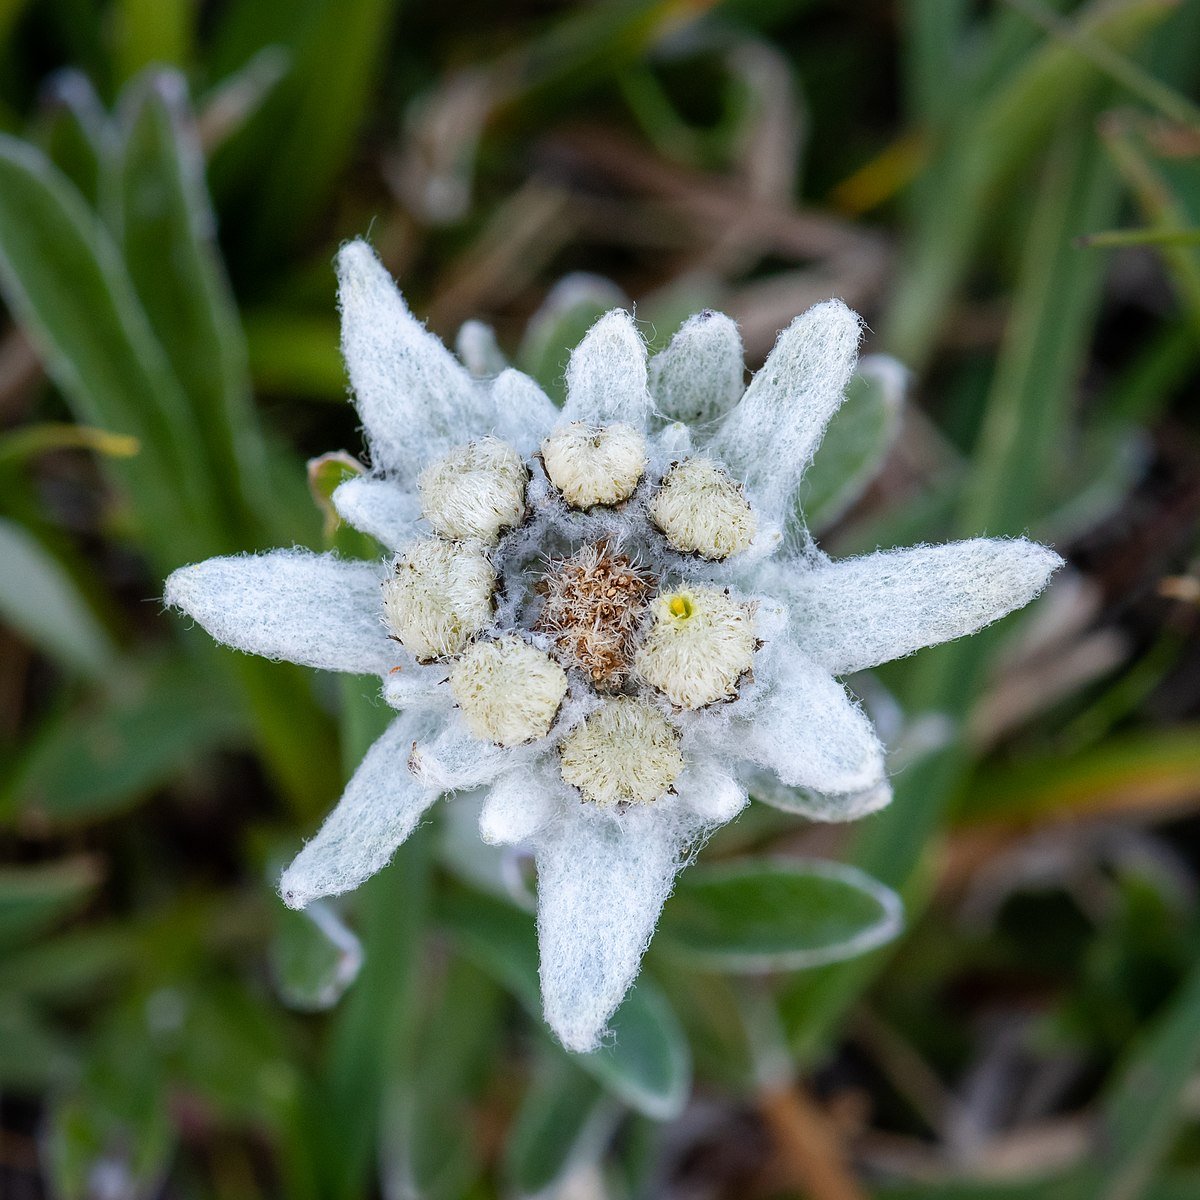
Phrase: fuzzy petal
{"type": "Point", "coordinates": [860, 612]}
{"type": "Point", "coordinates": [380, 807]}
{"type": "Point", "coordinates": [415, 398]}
{"type": "Point", "coordinates": [606, 377]}
{"type": "Point", "coordinates": [380, 507]}
{"type": "Point", "coordinates": [518, 806]}
{"type": "Point", "coordinates": [522, 413]}
{"type": "Point", "coordinates": [455, 760]}
{"type": "Point", "coordinates": [809, 732]}
{"type": "Point", "coordinates": [478, 349]}
{"type": "Point", "coordinates": [710, 792]}
{"type": "Point", "coordinates": [700, 375]}
{"type": "Point", "coordinates": [314, 609]}
{"type": "Point", "coordinates": [770, 437]}
{"type": "Point", "coordinates": [602, 882]}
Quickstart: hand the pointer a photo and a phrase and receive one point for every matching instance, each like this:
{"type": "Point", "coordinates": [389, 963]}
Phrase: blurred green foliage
{"type": "Point", "coordinates": [1010, 192]}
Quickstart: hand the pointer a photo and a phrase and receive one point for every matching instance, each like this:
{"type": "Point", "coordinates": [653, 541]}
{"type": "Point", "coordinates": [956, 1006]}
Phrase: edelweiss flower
{"type": "Point", "coordinates": [595, 613]}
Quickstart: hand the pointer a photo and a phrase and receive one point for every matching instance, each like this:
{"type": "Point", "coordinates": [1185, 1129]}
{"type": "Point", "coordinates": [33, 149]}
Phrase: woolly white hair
{"type": "Point", "coordinates": [594, 464]}
{"type": "Point", "coordinates": [622, 787]}
{"type": "Point", "coordinates": [438, 596]}
{"type": "Point", "coordinates": [508, 690]}
{"type": "Point", "coordinates": [626, 752]}
{"type": "Point", "coordinates": [701, 643]}
{"type": "Point", "coordinates": [475, 491]}
{"type": "Point", "coordinates": [702, 510]}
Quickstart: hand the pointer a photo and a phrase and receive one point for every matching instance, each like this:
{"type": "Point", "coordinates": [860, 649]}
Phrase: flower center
{"type": "Point", "coordinates": [592, 605]}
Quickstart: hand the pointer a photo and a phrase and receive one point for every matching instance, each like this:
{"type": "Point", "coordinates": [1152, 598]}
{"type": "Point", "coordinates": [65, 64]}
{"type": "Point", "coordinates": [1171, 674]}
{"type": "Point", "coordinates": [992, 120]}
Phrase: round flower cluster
{"type": "Point", "coordinates": [592, 618]}
{"type": "Point", "coordinates": [532, 590]}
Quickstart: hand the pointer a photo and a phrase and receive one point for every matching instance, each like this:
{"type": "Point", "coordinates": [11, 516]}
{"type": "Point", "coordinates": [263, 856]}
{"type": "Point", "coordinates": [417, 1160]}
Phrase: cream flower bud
{"type": "Point", "coordinates": [702, 510]}
{"type": "Point", "coordinates": [701, 643]}
{"type": "Point", "coordinates": [594, 464]}
{"type": "Point", "coordinates": [439, 596]}
{"type": "Point", "coordinates": [626, 752]}
{"type": "Point", "coordinates": [508, 690]}
{"type": "Point", "coordinates": [475, 491]}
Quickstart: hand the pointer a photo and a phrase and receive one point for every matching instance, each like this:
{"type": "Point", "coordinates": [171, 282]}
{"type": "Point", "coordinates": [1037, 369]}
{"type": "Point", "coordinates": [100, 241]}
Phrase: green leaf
{"type": "Point", "coordinates": [41, 602]}
{"type": "Point", "coordinates": [856, 442]}
{"type": "Point", "coordinates": [994, 135]}
{"type": "Point", "coordinates": [777, 915]}
{"type": "Point", "coordinates": [296, 355]}
{"type": "Point", "coordinates": [63, 279]}
{"type": "Point", "coordinates": [73, 130]}
{"type": "Point", "coordinates": [1145, 1102]}
{"type": "Point", "coordinates": [119, 1113]}
{"type": "Point", "coordinates": [34, 898]}
{"type": "Point", "coordinates": [429, 1148]}
{"type": "Point", "coordinates": [647, 1064]}
{"type": "Point", "coordinates": [285, 163]}
{"type": "Point", "coordinates": [109, 752]}
{"type": "Point", "coordinates": [573, 306]}
{"type": "Point", "coordinates": [376, 1025]}
{"type": "Point", "coordinates": [33, 1055]}
{"type": "Point", "coordinates": [314, 957]}
{"type": "Point", "coordinates": [563, 1120]}
{"type": "Point", "coordinates": [146, 32]}
{"type": "Point", "coordinates": [167, 233]}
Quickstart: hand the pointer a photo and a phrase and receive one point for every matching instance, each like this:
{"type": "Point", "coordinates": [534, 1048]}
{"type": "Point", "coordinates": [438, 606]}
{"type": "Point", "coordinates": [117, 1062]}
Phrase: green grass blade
{"type": "Point", "coordinates": [1144, 1103]}
{"type": "Point", "coordinates": [63, 279]}
{"type": "Point", "coordinates": [999, 134]}
{"type": "Point", "coordinates": [167, 233]}
{"type": "Point", "coordinates": [40, 601]}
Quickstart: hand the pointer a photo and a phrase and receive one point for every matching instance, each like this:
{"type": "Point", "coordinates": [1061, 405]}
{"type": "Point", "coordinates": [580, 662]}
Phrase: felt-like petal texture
{"type": "Point", "coordinates": [314, 609]}
{"type": "Point", "coordinates": [519, 804]}
{"type": "Point", "coordinates": [602, 881]}
{"type": "Point", "coordinates": [808, 731]}
{"type": "Point", "coordinates": [770, 437]}
{"type": "Point", "coordinates": [606, 375]}
{"type": "Point", "coordinates": [701, 374]}
{"type": "Point", "coordinates": [478, 350]}
{"type": "Point", "coordinates": [416, 400]}
{"type": "Point", "coordinates": [380, 807]}
{"type": "Point", "coordinates": [380, 507]}
{"type": "Point", "coordinates": [455, 759]}
{"type": "Point", "coordinates": [522, 414]}
{"type": "Point", "coordinates": [710, 791]}
{"type": "Point", "coordinates": [860, 612]}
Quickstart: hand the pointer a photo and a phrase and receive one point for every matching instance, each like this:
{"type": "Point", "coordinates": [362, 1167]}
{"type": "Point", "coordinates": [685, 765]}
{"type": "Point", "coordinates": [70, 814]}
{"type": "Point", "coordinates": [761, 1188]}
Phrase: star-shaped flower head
{"type": "Point", "coordinates": [601, 614]}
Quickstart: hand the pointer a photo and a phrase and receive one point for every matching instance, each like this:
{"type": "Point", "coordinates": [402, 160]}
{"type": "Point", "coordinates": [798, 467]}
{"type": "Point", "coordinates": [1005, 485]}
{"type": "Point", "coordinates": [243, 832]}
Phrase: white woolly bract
{"type": "Point", "coordinates": [379, 808]}
{"type": "Point", "coordinates": [508, 690]}
{"type": "Point", "coordinates": [313, 609]}
{"type": "Point", "coordinates": [700, 644]}
{"type": "Point", "coordinates": [860, 612]}
{"type": "Point", "coordinates": [380, 507]}
{"type": "Point", "coordinates": [519, 803]}
{"type": "Point", "coordinates": [602, 881]}
{"type": "Point", "coordinates": [700, 375]}
{"type": "Point", "coordinates": [475, 491]}
{"type": "Point", "coordinates": [606, 376]}
{"type": "Point", "coordinates": [701, 510]}
{"type": "Point", "coordinates": [439, 596]}
{"type": "Point", "coordinates": [769, 438]}
{"type": "Point", "coordinates": [654, 780]}
{"type": "Point", "coordinates": [594, 464]}
{"type": "Point", "coordinates": [415, 398]}
{"type": "Point", "coordinates": [626, 752]}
